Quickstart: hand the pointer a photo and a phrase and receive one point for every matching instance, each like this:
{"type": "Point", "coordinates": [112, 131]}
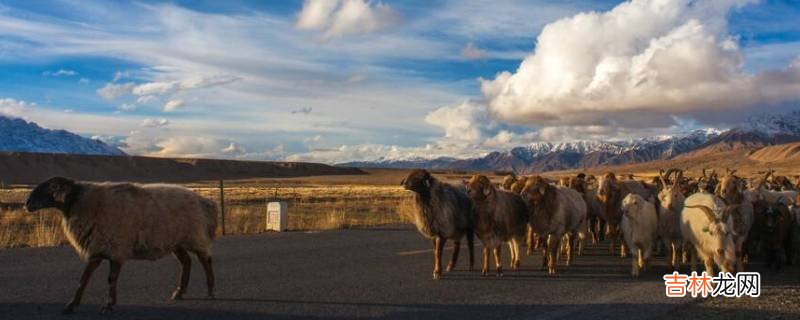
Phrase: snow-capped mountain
{"type": "Point", "coordinates": [756, 132]}
{"type": "Point", "coordinates": [21, 136]}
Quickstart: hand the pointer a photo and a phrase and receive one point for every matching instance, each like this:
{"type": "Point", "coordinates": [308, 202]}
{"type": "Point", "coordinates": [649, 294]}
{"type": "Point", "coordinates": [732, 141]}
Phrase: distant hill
{"type": "Point", "coordinates": [22, 136]}
{"type": "Point", "coordinates": [33, 168]}
{"type": "Point", "coordinates": [757, 132]}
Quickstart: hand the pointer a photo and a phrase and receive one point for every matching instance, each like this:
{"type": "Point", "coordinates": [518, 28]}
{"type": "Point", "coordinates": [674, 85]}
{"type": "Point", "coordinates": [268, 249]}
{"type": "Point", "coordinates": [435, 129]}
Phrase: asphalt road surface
{"type": "Point", "coordinates": [369, 273]}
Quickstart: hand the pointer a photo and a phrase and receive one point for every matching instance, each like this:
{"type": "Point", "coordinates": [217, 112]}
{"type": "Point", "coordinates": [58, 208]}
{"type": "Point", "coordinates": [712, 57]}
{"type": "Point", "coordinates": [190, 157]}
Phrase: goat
{"type": "Point", "coordinates": [707, 225]}
{"type": "Point", "coordinates": [639, 223]}
{"type": "Point", "coordinates": [671, 201]}
{"type": "Point", "coordinates": [124, 221]}
{"type": "Point", "coordinates": [442, 212]}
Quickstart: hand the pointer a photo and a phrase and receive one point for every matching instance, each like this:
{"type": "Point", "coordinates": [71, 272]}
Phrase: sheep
{"type": "Point", "coordinates": [124, 221]}
{"type": "Point", "coordinates": [671, 201]}
{"type": "Point", "coordinates": [555, 212]}
{"type": "Point", "coordinates": [509, 181]}
{"type": "Point", "coordinates": [734, 191]}
{"type": "Point", "coordinates": [610, 192]}
{"type": "Point", "coordinates": [518, 185]}
{"type": "Point", "coordinates": [593, 208]}
{"type": "Point", "coordinates": [772, 230]}
{"type": "Point", "coordinates": [639, 223]}
{"type": "Point", "coordinates": [795, 243]}
{"type": "Point", "coordinates": [500, 217]}
{"type": "Point", "coordinates": [442, 212]}
{"type": "Point", "coordinates": [707, 225]}
{"type": "Point", "coordinates": [760, 191]}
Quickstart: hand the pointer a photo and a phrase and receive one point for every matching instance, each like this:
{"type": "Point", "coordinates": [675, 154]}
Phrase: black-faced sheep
{"type": "Point", "coordinates": [500, 217]}
{"type": "Point", "coordinates": [123, 221]}
{"type": "Point", "coordinates": [442, 212]}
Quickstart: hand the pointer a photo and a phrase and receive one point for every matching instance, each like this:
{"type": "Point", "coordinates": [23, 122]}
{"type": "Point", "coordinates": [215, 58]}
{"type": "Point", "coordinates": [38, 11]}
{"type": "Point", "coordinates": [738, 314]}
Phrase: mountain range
{"type": "Point", "coordinates": [19, 135]}
{"type": "Point", "coordinates": [758, 131]}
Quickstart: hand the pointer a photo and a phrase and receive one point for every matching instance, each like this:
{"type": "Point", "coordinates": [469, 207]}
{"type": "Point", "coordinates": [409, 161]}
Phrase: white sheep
{"type": "Point", "coordinates": [124, 221]}
{"type": "Point", "coordinates": [708, 226]}
{"type": "Point", "coordinates": [639, 226]}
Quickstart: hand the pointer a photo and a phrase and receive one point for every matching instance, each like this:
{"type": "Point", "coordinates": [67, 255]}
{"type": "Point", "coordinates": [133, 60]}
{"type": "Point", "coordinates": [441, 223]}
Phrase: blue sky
{"type": "Point", "coordinates": [340, 80]}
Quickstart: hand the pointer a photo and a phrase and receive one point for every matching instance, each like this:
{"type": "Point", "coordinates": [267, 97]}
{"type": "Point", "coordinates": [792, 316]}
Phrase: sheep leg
{"type": "Point", "coordinates": [635, 268]}
{"type": "Point", "coordinates": [623, 249]}
{"type": "Point", "coordinates": [87, 274]}
{"type": "Point", "coordinates": [709, 265]}
{"type": "Point", "coordinates": [454, 258]}
{"type": "Point", "coordinates": [205, 261]}
{"type": "Point", "coordinates": [694, 261]}
{"type": "Point", "coordinates": [530, 241]}
{"type": "Point", "coordinates": [545, 252]}
{"type": "Point", "coordinates": [552, 253]}
{"type": "Point", "coordinates": [438, 247]}
{"type": "Point", "coordinates": [113, 276]}
{"type": "Point", "coordinates": [514, 247]}
{"type": "Point", "coordinates": [570, 243]}
{"type": "Point", "coordinates": [485, 266]}
{"type": "Point", "coordinates": [470, 247]}
{"type": "Point", "coordinates": [183, 273]}
{"type": "Point", "coordinates": [498, 263]}
{"type": "Point", "coordinates": [674, 256]}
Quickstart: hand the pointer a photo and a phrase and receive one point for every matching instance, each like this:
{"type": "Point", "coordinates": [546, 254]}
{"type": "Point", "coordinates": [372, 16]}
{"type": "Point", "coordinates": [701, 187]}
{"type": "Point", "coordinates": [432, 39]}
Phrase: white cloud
{"type": "Point", "coordinates": [112, 91]}
{"type": "Point", "coordinates": [83, 81]}
{"type": "Point", "coordinates": [173, 105]}
{"type": "Point", "coordinates": [234, 149]}
{"type": "Point", "coordinates": [155, 123]}
{"type": "Point", "coordinates": [597, 69]}
{"type": "Point", "coordinates": [60, 73]}
{"type": "Point", "coordinates": [14, 108]}
{"type": "Point", "coordinates": [125, 107]}
{"type": "Point", "coordinates": [337, 18]}
{"type": "Point", "coordinates": [470, 51]}
{"type": "Point", "coordinates": [466, 122]}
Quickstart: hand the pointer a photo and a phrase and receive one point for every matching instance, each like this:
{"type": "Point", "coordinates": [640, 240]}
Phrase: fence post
{"type": "Point", "coordinates": [222, 204]}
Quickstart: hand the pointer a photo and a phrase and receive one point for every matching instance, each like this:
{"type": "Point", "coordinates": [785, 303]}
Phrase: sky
{"type": "Point", "coordinates": [358, 80]}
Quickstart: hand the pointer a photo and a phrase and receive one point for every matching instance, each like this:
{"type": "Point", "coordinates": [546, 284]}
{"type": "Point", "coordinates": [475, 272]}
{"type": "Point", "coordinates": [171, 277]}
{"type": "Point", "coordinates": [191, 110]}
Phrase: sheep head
{"type": "Point", "coordinates": [535, 189]}
{"type": "Point", "coordinates": [419, 181]}
{"type": "Point", "coordinates": [56, 193]}
{"type": "Point", "coordinates": [480, 188]}
{"type": "Point", "coordinates": [508, 181]}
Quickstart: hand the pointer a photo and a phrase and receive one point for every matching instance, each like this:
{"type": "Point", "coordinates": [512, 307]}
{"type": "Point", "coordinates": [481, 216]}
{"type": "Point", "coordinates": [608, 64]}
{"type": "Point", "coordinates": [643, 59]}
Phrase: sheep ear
{"type": "Point", "coordinates": [402, 183]}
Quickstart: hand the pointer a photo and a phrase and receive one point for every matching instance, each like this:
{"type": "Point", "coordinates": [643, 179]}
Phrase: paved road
{"type": "Point", "coordinates": [373, 273]}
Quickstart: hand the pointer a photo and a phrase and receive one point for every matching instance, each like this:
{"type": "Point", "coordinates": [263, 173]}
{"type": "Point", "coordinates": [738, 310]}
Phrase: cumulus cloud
{"type": "Point", "coordinates": [470, 51]}
{"type": "Point", "coordinates": [638, 64]}
{"type": "Point", "coordinates": [155, 123]}
{"type": "Point", "coordinates": [173, 105]}
{"type": "Point", "coordinates": [466, 122]}
{"type": "Point", "coordinates": [14, 108]}
{"type": "Point", "coordinates": [112, 91]}
{"type": "Point", "coordinates": [337, 18]}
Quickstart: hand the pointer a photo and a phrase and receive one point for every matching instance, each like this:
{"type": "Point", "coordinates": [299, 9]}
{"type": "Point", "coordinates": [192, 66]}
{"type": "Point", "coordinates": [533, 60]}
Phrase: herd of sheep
{"type": "Point", "coordinates": [724, 221]}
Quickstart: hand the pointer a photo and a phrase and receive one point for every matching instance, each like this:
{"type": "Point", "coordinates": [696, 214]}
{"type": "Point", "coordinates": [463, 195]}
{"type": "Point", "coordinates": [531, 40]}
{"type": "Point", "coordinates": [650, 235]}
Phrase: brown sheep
{"type": "Point", "coordinates": [501, 217]}
{"type": "Point", "coordinates": [123, 221]}
{"type": "Point", "coordinates": [509, 181]}
{"type": "Point", "coordinates": [442, 212]}
{"type": "Point", "coordinates": [555, 212]}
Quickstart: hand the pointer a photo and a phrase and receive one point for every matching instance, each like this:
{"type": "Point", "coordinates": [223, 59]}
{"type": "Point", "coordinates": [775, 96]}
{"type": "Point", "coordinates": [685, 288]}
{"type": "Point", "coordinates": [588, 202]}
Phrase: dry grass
{"type": "Point", "coordinates": [311, 207]}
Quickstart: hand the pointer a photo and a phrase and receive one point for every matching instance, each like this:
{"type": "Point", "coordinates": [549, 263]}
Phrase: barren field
{"type": "Point", "coordinates": [314, 203]}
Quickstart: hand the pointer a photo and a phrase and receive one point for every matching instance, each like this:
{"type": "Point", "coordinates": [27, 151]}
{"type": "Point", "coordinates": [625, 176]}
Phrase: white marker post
{"type": "Point", "coordinates": [277, 216]}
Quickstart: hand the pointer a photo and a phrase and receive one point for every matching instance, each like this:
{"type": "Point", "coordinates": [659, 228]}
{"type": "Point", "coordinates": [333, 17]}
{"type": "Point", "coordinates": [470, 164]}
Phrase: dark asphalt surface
{"type": "Point", "coordinates": [370, 273]}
